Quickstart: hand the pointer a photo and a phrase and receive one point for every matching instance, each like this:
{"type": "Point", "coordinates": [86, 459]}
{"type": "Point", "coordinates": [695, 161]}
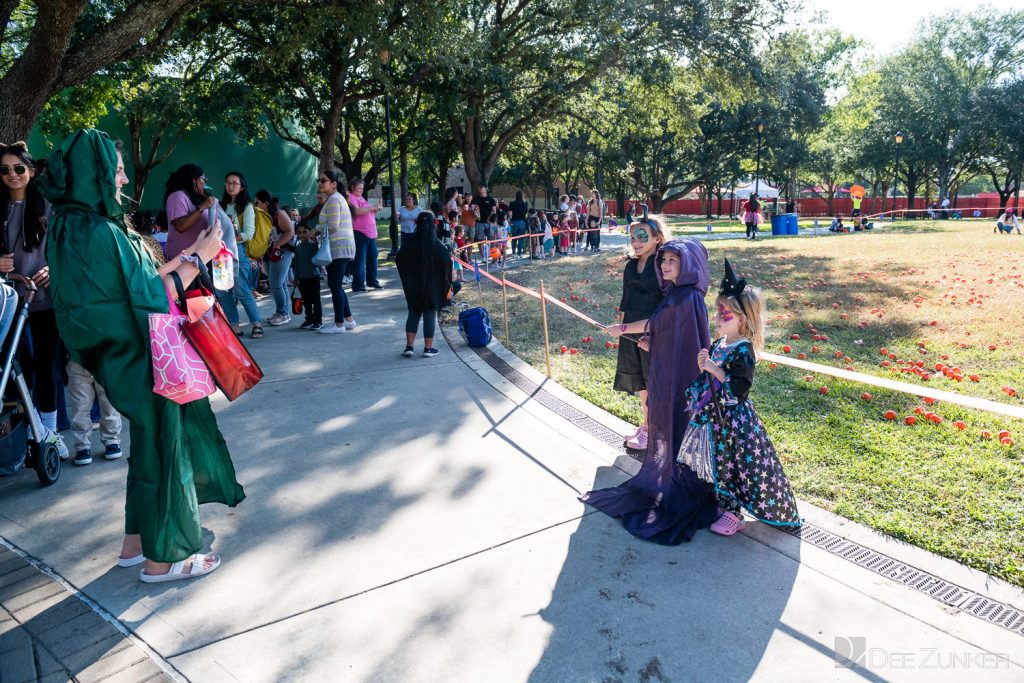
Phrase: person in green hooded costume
{"type": "Point", "coordinates": [104, 286]}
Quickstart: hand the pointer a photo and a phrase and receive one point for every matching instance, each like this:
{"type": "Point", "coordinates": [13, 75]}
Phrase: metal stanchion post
{"type": "Point", "coordinates": [504, 301]}
{"type": "Point", "coordinates": [544, 320]}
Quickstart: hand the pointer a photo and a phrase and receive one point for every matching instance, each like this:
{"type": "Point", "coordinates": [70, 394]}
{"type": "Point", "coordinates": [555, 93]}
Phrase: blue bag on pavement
{"type": "Point", "coordinates": [476, 324]}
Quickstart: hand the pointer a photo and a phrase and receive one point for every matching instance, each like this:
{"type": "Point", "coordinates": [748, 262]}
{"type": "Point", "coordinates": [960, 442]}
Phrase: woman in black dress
{"type": "Point", "coordinates": [641, 294]}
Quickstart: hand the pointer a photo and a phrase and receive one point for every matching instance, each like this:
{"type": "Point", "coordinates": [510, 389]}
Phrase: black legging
{"type": "Point", "coordinates": [412, 323]}
{"type": "Point", "coordinates": [38, 363]}
{"type": "Point", "coordinates": [335, 273]}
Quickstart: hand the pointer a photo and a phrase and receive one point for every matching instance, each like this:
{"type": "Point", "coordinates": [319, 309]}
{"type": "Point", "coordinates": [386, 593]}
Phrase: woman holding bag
{"type": "Point", "coordinates": [178, 457]}
{"type": "Point", "coordinates": [336, 227]}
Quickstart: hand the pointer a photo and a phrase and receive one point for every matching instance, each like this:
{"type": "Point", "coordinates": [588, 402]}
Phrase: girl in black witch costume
{"type": "Point", "coordinates": [726, 443]}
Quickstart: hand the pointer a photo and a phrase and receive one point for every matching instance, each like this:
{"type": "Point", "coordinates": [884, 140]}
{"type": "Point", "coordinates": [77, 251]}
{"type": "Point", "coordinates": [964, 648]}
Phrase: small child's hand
{"type": "Point", "coordinates": [702, 359]}
{"type": "Point", "coordinates": [645, 343]}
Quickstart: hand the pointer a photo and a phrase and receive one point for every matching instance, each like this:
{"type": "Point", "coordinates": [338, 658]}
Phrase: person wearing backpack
{"type": "Point", "coordinates": [280, 254]}
{"type": "Point", "coordinates": [425, 268]}
{"type": "Point", "coordinates": [240, 209]}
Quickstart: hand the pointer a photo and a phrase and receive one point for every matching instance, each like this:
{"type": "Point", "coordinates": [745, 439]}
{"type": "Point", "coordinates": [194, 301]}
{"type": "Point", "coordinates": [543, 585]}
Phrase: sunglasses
{"type": "Point", "coordinates": [323, 180]}
{"type": "Point", "coordinates": [17, 169]}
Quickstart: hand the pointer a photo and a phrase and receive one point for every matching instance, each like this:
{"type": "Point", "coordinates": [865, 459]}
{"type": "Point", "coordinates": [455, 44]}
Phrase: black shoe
{"type": "Point", "coordinates": [408, 353]}
{"type": "Point", "coordinates": [377, 286]}
{"type": "Point", "coordinates": [429, 352]}
{"type": "Point", "coordinates": [83, 458]}
{"type": "Point", "coordinates": [306, 325]}
{"type": "Point", "coordinates": [353, 291]}
{"type": "Point", "coordinates": [112, 452]}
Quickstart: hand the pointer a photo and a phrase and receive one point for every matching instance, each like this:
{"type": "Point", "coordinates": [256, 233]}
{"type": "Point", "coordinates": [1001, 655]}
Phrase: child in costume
{"type": "Point", "coordinates": [726, 444]}
{"type": "Point", "coordinates": [666, 502]}
{"type": "Point", "coordinates": [641, 294]}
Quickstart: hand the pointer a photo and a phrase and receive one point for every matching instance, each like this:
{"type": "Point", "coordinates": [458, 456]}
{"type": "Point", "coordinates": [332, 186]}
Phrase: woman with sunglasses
{"type": "Point", "coordinates": [641, 295]}
{"type": "Point", "coordinates": [336, 225]}
{"type": "Point", "coordinates": [23, 251]}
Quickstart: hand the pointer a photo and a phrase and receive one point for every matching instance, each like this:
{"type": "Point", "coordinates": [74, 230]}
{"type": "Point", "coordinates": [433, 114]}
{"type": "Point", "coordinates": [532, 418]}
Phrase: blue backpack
{"type": "Point", "coordinates": [477, 325]}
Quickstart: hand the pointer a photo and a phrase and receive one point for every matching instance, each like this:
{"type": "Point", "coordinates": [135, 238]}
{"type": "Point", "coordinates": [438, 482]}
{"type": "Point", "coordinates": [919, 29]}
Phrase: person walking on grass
{"type": "Point", "coordinates": [425, 268]}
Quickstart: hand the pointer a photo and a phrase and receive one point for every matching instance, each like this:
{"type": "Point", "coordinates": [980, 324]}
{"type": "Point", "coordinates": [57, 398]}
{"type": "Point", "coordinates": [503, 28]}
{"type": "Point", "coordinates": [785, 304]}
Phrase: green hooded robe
{"type": "Point", "coordinates": [104, 286]}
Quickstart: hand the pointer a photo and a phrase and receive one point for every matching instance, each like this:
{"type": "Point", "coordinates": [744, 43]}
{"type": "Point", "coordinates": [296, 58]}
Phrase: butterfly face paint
{"type": "Point", "coordinates": [724, 314]}
{"type": "Point", "coordinates": [641, 235]}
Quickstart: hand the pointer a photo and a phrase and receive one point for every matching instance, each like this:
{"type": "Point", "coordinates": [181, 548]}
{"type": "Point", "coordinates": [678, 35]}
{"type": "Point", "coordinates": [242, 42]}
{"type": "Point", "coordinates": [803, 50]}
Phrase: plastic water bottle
{"type": "Point", "coordinates": [224, 270]}
{"type": "Point", "coordinates": [709, 226]}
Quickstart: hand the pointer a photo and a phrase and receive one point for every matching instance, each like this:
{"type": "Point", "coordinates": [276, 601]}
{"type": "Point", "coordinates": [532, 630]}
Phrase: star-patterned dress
{"type": "Point", "coordinates": [727, 445]}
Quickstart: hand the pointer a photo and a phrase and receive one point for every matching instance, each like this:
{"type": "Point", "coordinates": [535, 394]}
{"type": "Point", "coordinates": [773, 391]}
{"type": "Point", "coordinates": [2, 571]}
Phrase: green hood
{"type": "Point", "coordinates": [80, 175]}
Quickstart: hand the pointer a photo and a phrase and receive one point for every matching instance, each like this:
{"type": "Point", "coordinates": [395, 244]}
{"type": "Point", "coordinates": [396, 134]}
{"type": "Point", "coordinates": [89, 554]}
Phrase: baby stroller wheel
{"type": "Point", "coordinates": [47, 463]}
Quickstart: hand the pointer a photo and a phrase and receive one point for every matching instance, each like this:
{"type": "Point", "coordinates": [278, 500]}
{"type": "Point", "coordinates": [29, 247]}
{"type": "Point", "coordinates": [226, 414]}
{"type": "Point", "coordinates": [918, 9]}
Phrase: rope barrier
{"type": "Point", "coordinates": [841, 373]}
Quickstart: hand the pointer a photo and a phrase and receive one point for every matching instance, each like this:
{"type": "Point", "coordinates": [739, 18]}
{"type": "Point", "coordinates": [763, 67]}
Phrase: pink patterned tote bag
{"type": "Point", "coordinates": [178, 372]}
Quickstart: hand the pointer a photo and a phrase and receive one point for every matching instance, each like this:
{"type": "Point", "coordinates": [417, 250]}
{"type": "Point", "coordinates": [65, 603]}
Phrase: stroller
{"type": "Point", "coordinates": [20, 426]}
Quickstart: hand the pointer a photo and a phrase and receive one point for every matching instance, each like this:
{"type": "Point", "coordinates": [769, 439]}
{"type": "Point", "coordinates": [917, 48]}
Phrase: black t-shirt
{"type": "Point", "coordinates": [518, 207]}
{"type": "Point", "coordinates": [487, 205]}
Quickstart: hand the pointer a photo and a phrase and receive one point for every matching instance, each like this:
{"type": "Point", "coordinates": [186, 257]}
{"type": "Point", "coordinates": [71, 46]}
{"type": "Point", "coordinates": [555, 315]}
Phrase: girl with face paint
{"type": "Point", "coordinates": [640, 296]}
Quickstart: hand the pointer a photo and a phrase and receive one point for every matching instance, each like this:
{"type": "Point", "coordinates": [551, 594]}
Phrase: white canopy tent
{"type": "Point", "coordinates": [764, 191]}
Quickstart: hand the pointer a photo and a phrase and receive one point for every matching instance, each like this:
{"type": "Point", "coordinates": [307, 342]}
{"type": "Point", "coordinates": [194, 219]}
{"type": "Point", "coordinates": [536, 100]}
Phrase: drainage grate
{"type": "Point", "coordinates": [947, 593]}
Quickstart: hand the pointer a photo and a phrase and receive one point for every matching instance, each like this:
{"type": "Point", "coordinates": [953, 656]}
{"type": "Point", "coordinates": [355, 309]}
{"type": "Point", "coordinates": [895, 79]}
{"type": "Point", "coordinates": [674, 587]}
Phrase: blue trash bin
{"type": "Point", "coordinates": [792, 228]}
{"type": "Point", "coordinates": [779, 224]}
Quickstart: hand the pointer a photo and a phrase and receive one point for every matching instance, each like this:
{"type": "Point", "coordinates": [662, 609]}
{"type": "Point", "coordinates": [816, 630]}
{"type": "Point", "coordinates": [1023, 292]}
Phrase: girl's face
{"type": "Point", "coordinates": [18, 172]}
{"type": "Point", "coordinates": [260, 205]}
{"type": "Point", "coordinates": [409, 203]}
{"type": "Point", "coordinates": [120, 178]}
{"type": "Point", "coordinates": [357, 189]}
{"type": "Point", "coordinates": [643, 240]}
{"type": "Point", "coordinates": [727, 322]}
{"type": "Point", "coordinates": [670, 266]}
{"type": "Point", "coordinates": [232, 185]}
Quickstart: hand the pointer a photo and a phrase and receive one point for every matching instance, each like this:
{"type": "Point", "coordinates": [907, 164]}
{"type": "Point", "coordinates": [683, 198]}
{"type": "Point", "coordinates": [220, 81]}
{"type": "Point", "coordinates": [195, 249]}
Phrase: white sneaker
{"type": "Point", "coordinates": [350, 324]}
{"type": "Point", "coordinates": [347, 280]}
{"type": "Point", "coordinates": [56, 439]}
{"type": "Point", "coordinates": [638, 442]}
{"type": "Point", "coordinates": [331, 329]}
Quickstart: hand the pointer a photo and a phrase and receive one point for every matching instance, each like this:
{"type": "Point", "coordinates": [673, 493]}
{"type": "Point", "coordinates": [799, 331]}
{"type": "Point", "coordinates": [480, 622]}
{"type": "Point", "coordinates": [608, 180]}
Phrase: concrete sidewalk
{"type": "Point", "coordinates": [416, 520]}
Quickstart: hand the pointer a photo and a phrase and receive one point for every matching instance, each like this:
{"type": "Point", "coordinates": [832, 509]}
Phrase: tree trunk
{"type": "Point", "coordinates": [328, 133]}
{"type": "Point", "coordinates": [32, 79]}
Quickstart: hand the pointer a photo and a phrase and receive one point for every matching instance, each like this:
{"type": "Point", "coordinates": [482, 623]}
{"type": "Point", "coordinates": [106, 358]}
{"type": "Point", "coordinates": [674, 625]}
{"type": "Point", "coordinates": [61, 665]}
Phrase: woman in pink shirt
{"type": "Point", "coordinates": [364, 224]}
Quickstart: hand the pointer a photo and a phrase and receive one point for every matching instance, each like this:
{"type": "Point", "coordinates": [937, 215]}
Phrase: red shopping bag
{"type": "Point", "coordinates": [233, 368]}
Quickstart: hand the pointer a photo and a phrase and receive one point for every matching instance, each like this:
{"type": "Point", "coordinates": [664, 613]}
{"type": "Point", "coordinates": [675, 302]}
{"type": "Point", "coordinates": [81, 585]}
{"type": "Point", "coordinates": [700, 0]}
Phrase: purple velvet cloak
{"type": "Point", "coordinates": [665, 502]}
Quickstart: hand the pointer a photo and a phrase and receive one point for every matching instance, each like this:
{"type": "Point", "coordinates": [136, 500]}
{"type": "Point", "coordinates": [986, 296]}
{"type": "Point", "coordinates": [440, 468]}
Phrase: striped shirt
{"type": "Point", "coordinates": [336, 224]}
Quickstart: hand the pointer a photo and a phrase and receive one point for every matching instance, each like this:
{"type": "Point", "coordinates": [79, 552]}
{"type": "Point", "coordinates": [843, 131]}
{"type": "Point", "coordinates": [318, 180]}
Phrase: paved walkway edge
{"type": "Point", "coordinates": [167, 668]}
{"type": "Point", "coordinates": [919, 605]}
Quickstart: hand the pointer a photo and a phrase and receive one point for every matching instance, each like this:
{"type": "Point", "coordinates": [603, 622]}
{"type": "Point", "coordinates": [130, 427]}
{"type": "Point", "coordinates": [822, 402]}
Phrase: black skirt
{"type": "Point", "coordinates": [632, 367]}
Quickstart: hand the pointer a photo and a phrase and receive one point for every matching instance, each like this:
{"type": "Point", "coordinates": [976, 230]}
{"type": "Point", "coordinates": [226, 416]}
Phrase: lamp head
{"type": "Point", "coordinates": [385, 56]}
{"type": "Point", "coordinates": [759, 126]}
{"type": "Point", "coordinates": [899, 137]}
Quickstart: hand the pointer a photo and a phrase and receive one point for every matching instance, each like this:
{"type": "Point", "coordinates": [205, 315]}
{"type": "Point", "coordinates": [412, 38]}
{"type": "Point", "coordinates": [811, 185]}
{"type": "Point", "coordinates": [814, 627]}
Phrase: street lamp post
{"type": "Point", "coordinates": [565, 157]}
{"type": "Point", "coordinates": [385, 59]}
{"type": "Point", "coordinates": [896, 173]}
{"type": "Point", "coordinates": [759, 126]}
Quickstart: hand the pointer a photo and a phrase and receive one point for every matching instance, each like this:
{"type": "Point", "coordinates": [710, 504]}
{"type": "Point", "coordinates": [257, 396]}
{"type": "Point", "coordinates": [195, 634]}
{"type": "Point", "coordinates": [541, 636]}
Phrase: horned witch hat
{"type": "Point", "coordinates": [732, 286]}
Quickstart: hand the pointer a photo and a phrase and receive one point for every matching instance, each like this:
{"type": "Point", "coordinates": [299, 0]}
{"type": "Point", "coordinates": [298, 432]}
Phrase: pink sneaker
{"type": "Point", "coordinates": [639, 441]}
{"type": "Point", "coordinates": [728, 524]}
{"type": "Point", "coordinates": [633, 435]}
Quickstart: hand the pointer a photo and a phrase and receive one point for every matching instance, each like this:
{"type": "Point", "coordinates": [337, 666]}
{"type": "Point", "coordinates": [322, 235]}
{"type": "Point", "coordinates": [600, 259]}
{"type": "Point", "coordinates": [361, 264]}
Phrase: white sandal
{"type": "Point", "coordinates": [177, 570]}
{"type": "Point", "coordinates": [130, 561]}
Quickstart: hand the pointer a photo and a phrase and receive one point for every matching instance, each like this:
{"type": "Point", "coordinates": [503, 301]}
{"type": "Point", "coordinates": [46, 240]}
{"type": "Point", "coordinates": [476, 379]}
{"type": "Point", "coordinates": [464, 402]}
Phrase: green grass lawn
{"type": "Point", "coordinates": [938, 292]}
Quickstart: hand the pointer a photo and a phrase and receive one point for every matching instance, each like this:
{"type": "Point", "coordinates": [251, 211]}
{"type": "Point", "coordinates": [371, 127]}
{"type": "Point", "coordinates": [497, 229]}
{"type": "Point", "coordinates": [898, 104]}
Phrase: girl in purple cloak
{"type": "Point", "coordinates": [666, 502]}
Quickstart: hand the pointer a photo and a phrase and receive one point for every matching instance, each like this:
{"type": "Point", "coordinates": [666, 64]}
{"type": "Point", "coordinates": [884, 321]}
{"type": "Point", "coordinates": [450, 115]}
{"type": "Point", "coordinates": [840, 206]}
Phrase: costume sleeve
{"type": "Point", "coordinates": [739, 372]}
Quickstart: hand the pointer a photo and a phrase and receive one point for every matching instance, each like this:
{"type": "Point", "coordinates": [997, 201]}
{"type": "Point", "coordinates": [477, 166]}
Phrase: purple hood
{"type": "Point", "coordinates": [693, 269]}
